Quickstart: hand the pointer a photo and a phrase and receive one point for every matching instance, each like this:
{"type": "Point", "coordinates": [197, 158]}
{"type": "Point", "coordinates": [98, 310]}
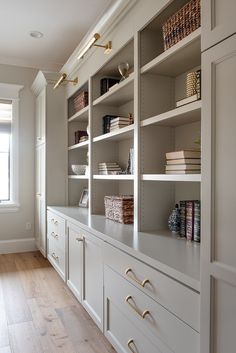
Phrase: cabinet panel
{"type": "Point", "coordinates": [75, 261]}
{"type": "Point", "coordinates": [218, 21]}
{"type": "Point", "coordinates": [93, 278]}
{"type": "Point", "coordinates": [40, 117]}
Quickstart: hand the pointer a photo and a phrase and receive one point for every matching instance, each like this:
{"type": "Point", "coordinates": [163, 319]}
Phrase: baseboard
{"type": "Point", "coordinates": [17, 245]}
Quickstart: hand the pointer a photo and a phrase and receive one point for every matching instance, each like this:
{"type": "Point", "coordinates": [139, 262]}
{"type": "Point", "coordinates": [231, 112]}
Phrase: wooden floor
{"type": "Point", "coordinates": [38, 313]}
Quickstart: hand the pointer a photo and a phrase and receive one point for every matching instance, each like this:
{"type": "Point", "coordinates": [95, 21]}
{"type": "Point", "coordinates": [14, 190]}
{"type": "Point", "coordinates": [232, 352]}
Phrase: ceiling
{"type": "Point", "coordinates": [63, 23]}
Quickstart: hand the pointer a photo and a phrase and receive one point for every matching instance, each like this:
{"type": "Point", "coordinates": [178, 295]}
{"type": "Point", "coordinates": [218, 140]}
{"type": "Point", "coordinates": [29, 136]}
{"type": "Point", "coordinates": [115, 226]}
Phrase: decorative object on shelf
{"type": "Point", "coordinates": [106, 83]}
{"type": "Point", "coordinates": [190, 219]}
{"type": "Point", "coordinates": [182, 23]}
{"type": "Point", "coordinates": [174, 220]}
{"type": "Point", "coordinates": [123, 69]}
{"type": "Point", "coordinates": [193, 88]}
{"type": "Point", "coordinates": [92, 42]}
{"type": "Point", "coordinates": [83, 202]}
{"type": "Point", "coordinates": [130, 164]}
{"type": "Point", "coordinates": [78, 169]}
{"type": "Point", "coordinates": [80, 101]}
{"type": "Point", "coordinates": [120, 208]}
{"type": "Point", "coordinates": [120, 122]}
{"type": "Point", "coordinates": [110, 168]}
{"type": "Point", "coordinates": [80, 136]}
{"type": "Point", "coordinates": [63, 78]}
{"type": "Point", "coordinates": [183, 162]}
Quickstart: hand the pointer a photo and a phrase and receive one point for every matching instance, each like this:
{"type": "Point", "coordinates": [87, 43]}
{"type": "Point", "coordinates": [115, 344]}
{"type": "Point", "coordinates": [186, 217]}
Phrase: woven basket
{"type": "Point", "coordinates": [181, 24]}
{"type": "Point", "coordinates": [80, 101]}
{"type": "Point", "coordinates": [119, 208]}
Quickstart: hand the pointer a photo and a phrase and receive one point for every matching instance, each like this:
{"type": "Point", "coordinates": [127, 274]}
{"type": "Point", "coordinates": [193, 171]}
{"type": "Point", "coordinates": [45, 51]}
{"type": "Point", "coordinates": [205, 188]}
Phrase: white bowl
{"type": "Point", "coordinates": [78, 169]}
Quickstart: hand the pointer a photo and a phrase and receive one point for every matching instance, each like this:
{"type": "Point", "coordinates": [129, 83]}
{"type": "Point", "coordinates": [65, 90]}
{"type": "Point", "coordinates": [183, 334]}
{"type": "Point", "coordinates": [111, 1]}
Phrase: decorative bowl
{"type": "Point", "coordinates": [78, 169]}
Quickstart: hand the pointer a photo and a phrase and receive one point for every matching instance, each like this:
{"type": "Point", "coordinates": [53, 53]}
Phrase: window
{"type": "Point", "coordinates": [9, 106]}
{"type": "Point", "coordinates": [5, 134]}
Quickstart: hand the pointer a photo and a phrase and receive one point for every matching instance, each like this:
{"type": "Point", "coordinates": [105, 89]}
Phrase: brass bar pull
{"type": "Point", "coordinates": [140, 313]}
{"type": "Point", "coordinates": [141, 283]}
{"type": "Point", "coordinates": [129, 343]}
{"type": "Point", "coordinates": [80, 239]}
{"type": "Point", "coordinates": [55, 257]}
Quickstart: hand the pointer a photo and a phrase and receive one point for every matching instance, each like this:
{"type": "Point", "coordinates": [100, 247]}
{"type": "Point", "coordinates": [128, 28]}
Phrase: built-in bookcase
{"type": "Point", "coordinates": [157, 78]}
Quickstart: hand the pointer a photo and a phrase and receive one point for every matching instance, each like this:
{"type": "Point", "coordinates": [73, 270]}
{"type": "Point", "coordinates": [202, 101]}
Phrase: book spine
{"type": "Point", "coordinates": [182, 205]}
{"type": "Point", "coordinates": [197, 221]}
{"type": "Point", "coordinates": [189, 219]}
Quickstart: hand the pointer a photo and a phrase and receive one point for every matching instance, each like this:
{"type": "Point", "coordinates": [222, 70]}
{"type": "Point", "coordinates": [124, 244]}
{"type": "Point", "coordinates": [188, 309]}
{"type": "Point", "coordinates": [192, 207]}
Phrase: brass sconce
{"type": "Point", "coordinates": [91, 43]}
{"type": "Point", "coordinates": [63, 78]}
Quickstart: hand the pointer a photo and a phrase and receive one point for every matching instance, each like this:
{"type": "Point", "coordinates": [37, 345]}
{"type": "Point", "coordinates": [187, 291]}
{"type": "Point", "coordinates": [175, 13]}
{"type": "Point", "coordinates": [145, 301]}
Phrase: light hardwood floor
{"type": "Point", "coordinates": [39, 314]}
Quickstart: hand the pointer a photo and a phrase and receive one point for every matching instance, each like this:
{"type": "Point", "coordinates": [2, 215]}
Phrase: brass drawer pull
{"type": "Point", "coordinates": [54, 235]}
{"type": "Point", "coordinates": [79, 239]}
{"type": "Point", "coordinates": [140, 313]}
{"type": "Point", "coordinates": [55, 257]}
{"type": "Point", "coordinates": [141, 283]}
{"type": "Point", "coordinates": [129, 343]}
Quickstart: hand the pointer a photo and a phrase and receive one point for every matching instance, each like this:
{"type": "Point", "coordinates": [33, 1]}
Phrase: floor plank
{"type": "Point", "coordinates": [24, 339]}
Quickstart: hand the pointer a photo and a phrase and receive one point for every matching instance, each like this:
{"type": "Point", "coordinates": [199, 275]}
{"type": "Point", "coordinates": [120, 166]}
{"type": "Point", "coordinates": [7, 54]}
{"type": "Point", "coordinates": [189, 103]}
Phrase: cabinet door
{"type": "Point", "coordinates": [93, 278]}
{"type": "Point", "coordinates": [218, 272]}
{"type": "Point", "coordinates": [40, 116]}
{"type": "Point", "coordinates": [75, 260]}
{"type": "Point", "coordinates": [218, 21]}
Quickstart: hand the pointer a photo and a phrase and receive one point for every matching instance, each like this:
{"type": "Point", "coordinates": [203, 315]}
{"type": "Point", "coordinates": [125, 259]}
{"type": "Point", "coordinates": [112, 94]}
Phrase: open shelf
{"type": "Point", "coordinates": [117, 135]}
{"type": "Point", "coordinates": [182, 56]}
{"type": "Point", "coordinates": [81, 115]}
{"type": "Point", "coordinates": [83, 177]}
{"type": "Point", "coordinates": [120, 94]}
{"type": "Point", "coordinates": [78, 145]}
{"type": "Point", "coordinates": [172, 177]}
{"type": "Point", "coordinates": [114, 177]}
{"type": "Point", "coordinates": [182, 115]}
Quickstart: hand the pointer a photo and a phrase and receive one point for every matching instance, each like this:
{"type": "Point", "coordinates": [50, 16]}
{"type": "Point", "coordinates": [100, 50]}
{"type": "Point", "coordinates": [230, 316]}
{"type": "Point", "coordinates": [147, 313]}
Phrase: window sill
{"type": "Point", "coordinates": [7, 207]}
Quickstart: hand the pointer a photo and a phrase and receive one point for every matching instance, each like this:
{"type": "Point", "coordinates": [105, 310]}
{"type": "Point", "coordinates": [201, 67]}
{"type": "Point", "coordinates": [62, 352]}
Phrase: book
{"type": "Point", "coordinates": [106, 83]}
{"type": "Point", "coordinates": [182, 206]}
{"type": "Point", "coordinates": [187, 100]}
{"type": "Point", "coordinates": [183, 167]}
{"type": "Point", "coordinates": [184, 161]}
{"type": "Point", "coordinates": [183, 154]}
{"type": "Point", "coordinates": [196, 221]}
{"type": "Point", "coordinates": [121, 119]}
{"type": "Point", "coordinates": [189, 219]}
{"type": "Point", "coordinates": [183, 171]}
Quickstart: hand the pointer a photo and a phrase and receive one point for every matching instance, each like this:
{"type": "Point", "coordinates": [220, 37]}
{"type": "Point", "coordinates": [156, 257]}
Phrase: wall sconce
{"type": "Point", "coordinates": [91, 43]}
{"type": "Point", "coordinates": [63, 79]}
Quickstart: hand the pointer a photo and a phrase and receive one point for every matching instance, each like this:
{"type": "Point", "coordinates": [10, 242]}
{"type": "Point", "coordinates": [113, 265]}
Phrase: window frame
{"type": "Point", "coordinates": [11, 92]}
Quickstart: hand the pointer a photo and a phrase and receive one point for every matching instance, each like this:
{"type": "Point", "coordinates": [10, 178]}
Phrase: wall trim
{"type": "Point", "coordinates": [17, 245]}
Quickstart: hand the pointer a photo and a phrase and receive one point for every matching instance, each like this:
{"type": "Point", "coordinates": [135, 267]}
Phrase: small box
{"type": "Point", "coordinates": [120, 208]}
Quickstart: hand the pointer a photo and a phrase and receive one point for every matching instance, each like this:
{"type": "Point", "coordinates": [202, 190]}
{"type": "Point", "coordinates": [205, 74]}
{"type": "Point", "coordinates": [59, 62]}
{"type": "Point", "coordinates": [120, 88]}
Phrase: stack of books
{"type": "Point", "coordinates": [80, 134]}
{"type": "Point", "coordinates": [183, 162]}
{"type": "Point", "coordinates": [80, 101]}
{"type": "Point", "coordinates": [190, 220]}
{"type": "Point", "coordinates": [109, 168]}
{"type": "Point", "coordinates": [83, 138]}
{"type": "Point", "coordinates": [120, 122]}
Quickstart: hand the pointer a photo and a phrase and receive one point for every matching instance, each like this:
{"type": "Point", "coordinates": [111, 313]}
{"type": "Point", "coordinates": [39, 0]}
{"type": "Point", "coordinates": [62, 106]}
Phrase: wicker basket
{"type": "Point", "coordinates": [119, 208]}
{"type": "Point", "coordinates": [181, 24]}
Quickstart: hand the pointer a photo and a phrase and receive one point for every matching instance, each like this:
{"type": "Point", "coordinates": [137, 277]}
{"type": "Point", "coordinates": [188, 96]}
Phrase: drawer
{"type": "Point", "coordinates": [123, 335]}
{"type": "Point", "coordinates": [56, 257]}
{"type": "Point", "coordinates": [55, 223]}
{"type": "Point", "coordinates": [154, 321]}
{"type": "Point", "coordinates": [177, 298]}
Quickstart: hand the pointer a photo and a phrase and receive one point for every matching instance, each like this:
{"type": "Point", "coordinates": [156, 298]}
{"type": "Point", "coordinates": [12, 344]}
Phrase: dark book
{"type": "Point", "coordinates": [106, 83]}
{"type": "Point", "coordinates": [182, 205]}
{"type": "Point", "coordinates": [196, 221]}
{"type": "Point", "coordinates": [189, 219]}
{"type": "Point", "coordinates": [107, 122]}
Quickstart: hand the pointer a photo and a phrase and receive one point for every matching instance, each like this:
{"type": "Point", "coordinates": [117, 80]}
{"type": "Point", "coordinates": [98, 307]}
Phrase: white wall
{"type": "Point", "coordinates": [13, 225]}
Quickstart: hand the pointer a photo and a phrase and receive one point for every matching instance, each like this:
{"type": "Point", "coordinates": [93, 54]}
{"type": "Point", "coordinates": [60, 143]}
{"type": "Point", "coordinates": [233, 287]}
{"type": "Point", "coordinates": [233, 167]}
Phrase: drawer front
{"type": "Point", "coordinates": [56, 230]}
{"type": "Point", "coordinates": [153, 320]}
{"type": "Point", "coordinates": [123, 335]}
{"type": "Point", "coordinates": [56, 257]}
{"type": "Point", "coordinates": [177, 298]}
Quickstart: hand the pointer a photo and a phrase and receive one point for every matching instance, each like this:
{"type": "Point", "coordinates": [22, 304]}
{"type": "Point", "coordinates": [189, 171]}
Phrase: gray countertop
{"type": "Point", "coordinates": [160, 249]}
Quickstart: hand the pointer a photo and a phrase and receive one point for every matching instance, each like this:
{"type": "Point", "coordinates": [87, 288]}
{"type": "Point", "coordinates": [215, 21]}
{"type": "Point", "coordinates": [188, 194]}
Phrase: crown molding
{"type": "Point", "coordinates": [42, 79]}
{"type": "Point", "coordinates": [104, 26]}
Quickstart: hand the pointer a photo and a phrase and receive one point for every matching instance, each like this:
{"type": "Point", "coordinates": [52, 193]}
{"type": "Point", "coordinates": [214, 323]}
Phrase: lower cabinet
{"type": "Point", "coordinates": [85, 271]}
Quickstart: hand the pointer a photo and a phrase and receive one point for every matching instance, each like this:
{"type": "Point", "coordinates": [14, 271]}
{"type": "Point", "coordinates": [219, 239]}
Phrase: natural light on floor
{"type": "Point", "coordinates": [5, 133]}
